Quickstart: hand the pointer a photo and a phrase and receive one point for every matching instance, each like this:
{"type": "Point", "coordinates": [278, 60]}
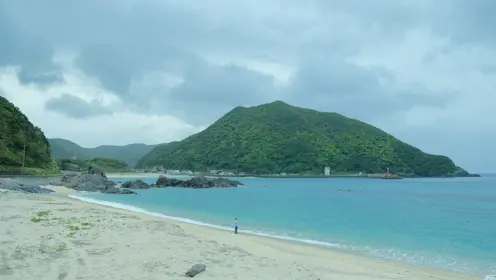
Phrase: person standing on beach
{"type": "Point", "coordinates": [235, 225]}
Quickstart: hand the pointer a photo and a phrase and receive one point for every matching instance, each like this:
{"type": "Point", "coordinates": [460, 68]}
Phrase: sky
{"type": "Point", "coordinates": [153, 71]}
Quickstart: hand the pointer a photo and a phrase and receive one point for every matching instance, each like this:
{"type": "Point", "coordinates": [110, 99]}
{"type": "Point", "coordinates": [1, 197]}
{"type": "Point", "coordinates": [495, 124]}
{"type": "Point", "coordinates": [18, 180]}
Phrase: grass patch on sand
{"type": "Point", "coordinates": [41, 216]}
{"type": "Point", "coordinates": [61, 248]}
{"type": "Point", "coordinates": [75, 228]}
{"type": "Point", "coordinates": [43, 213]}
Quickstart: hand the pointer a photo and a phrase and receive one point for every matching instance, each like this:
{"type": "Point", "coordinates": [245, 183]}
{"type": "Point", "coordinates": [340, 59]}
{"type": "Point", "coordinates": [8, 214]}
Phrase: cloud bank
{"type": "Point", "coordinates": [116, 72]}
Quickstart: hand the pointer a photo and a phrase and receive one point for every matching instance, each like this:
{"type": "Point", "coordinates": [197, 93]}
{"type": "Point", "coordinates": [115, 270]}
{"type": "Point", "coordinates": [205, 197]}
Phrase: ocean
{"type": "Point", "coordinates": [444, 223]}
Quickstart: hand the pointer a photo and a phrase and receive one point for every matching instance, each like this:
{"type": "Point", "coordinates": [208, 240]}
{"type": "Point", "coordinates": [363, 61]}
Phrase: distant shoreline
{"type": "Point", "coordinates": [155, 174]}
{"type": "Point", "coordinates": [340, 176]}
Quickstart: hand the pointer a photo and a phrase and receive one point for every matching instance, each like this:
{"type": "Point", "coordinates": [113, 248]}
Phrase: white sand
{"type": "Point", "coordinates": [78, 240]}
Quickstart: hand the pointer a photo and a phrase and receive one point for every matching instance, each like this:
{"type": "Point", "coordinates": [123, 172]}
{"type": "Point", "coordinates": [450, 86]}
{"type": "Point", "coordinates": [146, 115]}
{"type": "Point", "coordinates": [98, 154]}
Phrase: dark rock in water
{"type": "Point", "coordinates": [95, 181]}
{"type": "Point", "coordinates": [126, 191]}
{"type": "Point", "coordinates": [136, 184]}
{"type": "Point", "coordinates": [196, 269]}
{"type": "Point", "coordinates": [226, 183]}
{"type": "Point", "coordinates": [115, 190]}
{"type": "Point", "coordinates": [163, 181]}
{"type": "Point", "coordinates": [197, 182]}
{"type": "Point", "coordinates": [13, 185]}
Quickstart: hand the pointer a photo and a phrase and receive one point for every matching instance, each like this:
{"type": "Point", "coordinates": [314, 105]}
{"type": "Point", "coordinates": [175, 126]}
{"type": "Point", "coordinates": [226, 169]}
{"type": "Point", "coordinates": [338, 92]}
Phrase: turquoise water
{"type": "Point", "coordinates": [446, 223]}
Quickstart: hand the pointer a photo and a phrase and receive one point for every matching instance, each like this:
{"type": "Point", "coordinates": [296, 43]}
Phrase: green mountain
{"type": "Point", "coordinates": [154, 156]}
{"type": "Point", "coordinates": [130, 154]}
{"type": "Point", "coordinates": [21, 141]}
{"type": "Point", "coordinates": [277, 137]}
{"type": "Point", "coordinates": [62, 148]}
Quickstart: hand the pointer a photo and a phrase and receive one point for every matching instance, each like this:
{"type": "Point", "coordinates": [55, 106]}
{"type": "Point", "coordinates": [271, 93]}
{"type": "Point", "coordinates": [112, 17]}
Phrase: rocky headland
{"type": "Point", "coordinates": [95, 180]}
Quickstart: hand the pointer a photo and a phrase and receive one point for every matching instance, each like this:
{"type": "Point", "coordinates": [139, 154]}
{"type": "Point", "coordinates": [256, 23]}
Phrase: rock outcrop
{"type": "Point", "coordinates": [93, 169]}
{"type": "Point", "coordinates": [197, 182]}
{"type": "Point", "coordinates": [93, 181]}
{"type": "Point", "coordinates": [136, 184]}
{"type": "Point", "coordinates": [13, 185]}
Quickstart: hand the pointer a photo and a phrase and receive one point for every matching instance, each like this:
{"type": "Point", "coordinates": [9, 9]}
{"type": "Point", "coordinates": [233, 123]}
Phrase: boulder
{"type": "Point", "coordinates": [94, 169]}
{"type": "Point", "coordinates": [163, 181]}
{"type": "Point", "coordinates": [197, 182]}
{"type": "Point", "coordinates": [226, 183]}
{"type": "Point", "coordinates": [126, 191]}
{"type": "Point", "coordinates": [136, 184]}
{"type": "Point", "coordinates": [93, 181]}
{"type": "Point", "coordinates": [196, 269]}
{"type": "Point", "coordinates": [116, 190]}
{"type": "Point", "coordinates": [13, 185]}
{"type": "Point", "coordinates": [88, 182]}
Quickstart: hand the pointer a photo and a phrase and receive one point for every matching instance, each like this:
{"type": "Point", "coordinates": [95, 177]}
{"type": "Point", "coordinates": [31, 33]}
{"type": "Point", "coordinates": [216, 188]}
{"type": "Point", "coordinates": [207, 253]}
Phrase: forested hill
{"type": "Point", "coordinates": [17, 134]}
{"type": "Point", "coordinates": [277, 137]}
{"type": "Point", "coordinates": [130, 154]}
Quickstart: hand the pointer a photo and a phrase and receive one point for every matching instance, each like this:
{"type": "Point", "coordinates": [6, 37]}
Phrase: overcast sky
{"type": "Point", "coordinates": [125, 71]}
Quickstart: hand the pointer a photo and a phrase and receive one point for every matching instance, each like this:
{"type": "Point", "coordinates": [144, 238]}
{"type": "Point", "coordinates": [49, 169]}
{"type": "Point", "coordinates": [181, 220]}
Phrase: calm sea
{"type": "Point", "coordinates": [446, 223]}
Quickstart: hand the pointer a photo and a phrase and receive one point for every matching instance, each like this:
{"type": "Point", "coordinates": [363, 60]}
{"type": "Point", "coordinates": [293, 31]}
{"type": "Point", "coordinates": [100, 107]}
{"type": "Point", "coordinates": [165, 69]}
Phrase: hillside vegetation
{"type": "Point", "coordinates": [155, 156]}
{"type": "Point", "coordinates": [277, 137]}
{"type": "Point", "coordinates": [18, 136]}
{"type": "Point", "coordinates": [130, 154]}
{"type": "Point", "coordinates": [107, 164]}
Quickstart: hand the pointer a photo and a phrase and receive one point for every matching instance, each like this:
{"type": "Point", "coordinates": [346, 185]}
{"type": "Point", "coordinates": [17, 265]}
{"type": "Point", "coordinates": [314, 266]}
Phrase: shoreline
{"type": "Point", "coordinates": [139, 246]}
{"type": "Point", "coordinates": [290, 241]}
{"type": "Point", "coordinates": [337, 176]}
{"type": "Point", "coordinates": [321, 245]}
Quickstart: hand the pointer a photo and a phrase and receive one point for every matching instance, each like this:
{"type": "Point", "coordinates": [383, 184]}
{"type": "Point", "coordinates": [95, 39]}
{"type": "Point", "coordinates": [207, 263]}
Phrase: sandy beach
{"type": "Point", "coordinates": [56, 237]}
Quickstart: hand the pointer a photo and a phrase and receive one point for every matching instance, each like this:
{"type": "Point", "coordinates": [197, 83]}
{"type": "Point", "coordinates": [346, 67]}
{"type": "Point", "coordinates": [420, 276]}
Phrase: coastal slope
{"type": "Point", "coordinates": [21, 142]}
{"type": "Point", "coordinates": [130, 154]}
{"type": "Point", "coordinates": [55, 237]}
{"type": "Point", "coordinates": [280, 138]}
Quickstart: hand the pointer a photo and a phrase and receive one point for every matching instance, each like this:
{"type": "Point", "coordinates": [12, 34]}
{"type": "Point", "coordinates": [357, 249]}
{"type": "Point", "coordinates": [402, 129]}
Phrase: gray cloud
{"type": "Point", "coordinates": [74, 107]}
{"type": "Point", "coordinates": [330, 83]}
{"type": "Point", "coordinates": [187, 58]}
{"type": "Point", "coordinates": [40, 78]}
{"type": "Point", "coordinates": [19, 47]}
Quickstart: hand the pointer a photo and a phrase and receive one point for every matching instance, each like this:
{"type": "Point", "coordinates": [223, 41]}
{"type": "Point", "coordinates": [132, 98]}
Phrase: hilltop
{"type": "Point", "coordinates": [280, 138]}
{"type": "Point", "coordinates": [21, 140]}
{"type": "Point", "coordinates": [130, 154]}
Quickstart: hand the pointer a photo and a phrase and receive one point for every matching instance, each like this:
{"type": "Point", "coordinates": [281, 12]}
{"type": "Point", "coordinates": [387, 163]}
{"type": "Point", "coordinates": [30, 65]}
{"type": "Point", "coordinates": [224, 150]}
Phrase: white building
{"type": "Point", "coordinates": [327, 171]}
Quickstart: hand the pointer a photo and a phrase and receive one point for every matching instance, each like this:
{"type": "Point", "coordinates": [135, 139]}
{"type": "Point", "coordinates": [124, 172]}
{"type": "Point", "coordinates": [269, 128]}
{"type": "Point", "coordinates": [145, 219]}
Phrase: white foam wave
{"type": "Point", "coordinates": [199, 223]}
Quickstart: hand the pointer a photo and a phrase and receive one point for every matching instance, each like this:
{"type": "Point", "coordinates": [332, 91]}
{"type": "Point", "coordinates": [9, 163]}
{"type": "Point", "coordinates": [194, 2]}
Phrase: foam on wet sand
{"type": "Point", "coordinates": [56, 237]}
